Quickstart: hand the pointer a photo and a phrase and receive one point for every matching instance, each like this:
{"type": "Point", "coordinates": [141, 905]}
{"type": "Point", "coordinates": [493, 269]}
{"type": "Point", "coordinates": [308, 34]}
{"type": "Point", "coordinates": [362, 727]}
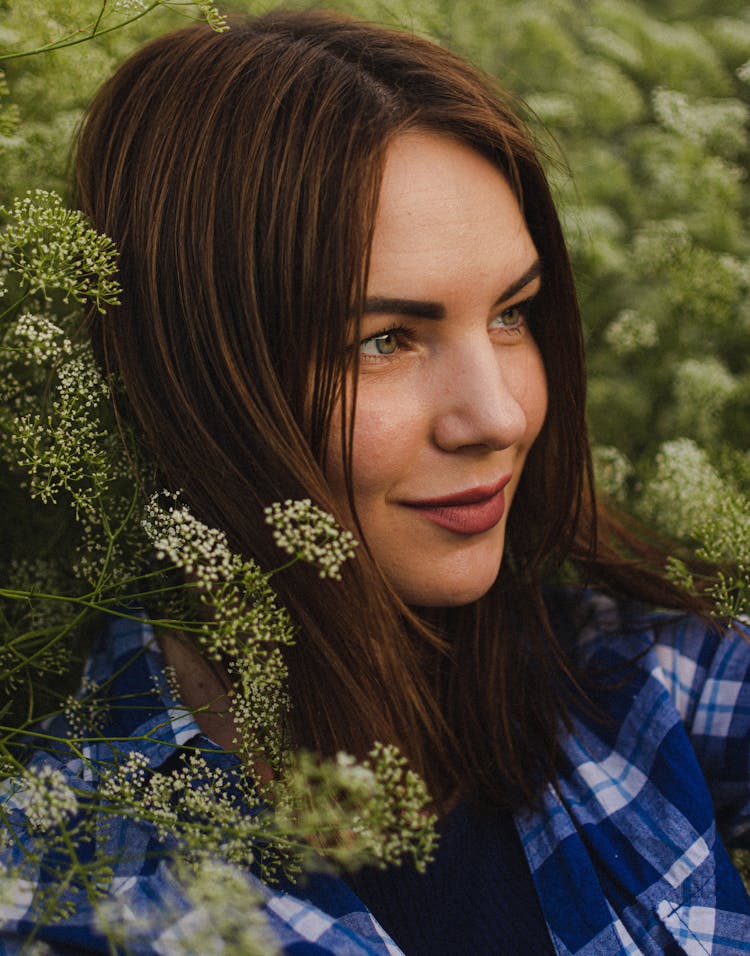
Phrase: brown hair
{"type": "Point", "coordinates": [239, 176]}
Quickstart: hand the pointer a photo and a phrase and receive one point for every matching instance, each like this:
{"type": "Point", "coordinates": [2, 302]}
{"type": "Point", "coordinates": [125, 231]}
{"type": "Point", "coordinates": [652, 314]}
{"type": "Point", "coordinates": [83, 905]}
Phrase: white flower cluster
{"type": "Point", "coordinates": [374, 811]}
{"type": "Point", "coordinates": [395, 820]}
{"type": "Point", "coordinates": [225, 919]}
{"type": "Point", "coordinates": [84, 712]}
{"type": "Point", "coordinates": [305, 531]}
{"type": "Point", "coordinates": [39, 337]}
{"type": "Point", "coordinates": [241, 623]}
{"type": "Point", "coordinates": [229, 919]}
{"type": "Point", "coordinates": [631, 332]}
{"type": "Point", "coordinates": [188, 543]}
{"type": "Point", "coordinates": [67, 448]}
{"type": "Point", "coordinates": [260, 703]}
{"type": "Point", "coordinates": [702, 389]}
{"type": "Point", "coordinates": [50, 247]}
{"type": "Point", "coordinates": [49, 802]}
{"type": "Point", "coordinates": [662, 244]}
{"type": "Point", "coordinates": [194, 802]}
{"type": "Point", "coordinates": [355, 776]}
{"type": "Point", "coordinates": [615, 47]}
{"type": "Point", "coordinates": [126, 782]}
{"type": "Point", "coordinates": [612, 470]}
{"type": "Point", "coordinates": [689, 499]}
{"type": "Point", "coordinates": [245, 617]}
{"type": "Point", "coordinates": [718, 122]}
{"type": "Point", "coordinates": [743, 72]}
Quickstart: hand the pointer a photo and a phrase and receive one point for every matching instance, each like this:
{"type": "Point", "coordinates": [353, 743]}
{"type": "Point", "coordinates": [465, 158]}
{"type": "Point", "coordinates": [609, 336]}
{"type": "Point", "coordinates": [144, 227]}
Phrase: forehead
{"type": "Point", "coordinates": [444, 213]}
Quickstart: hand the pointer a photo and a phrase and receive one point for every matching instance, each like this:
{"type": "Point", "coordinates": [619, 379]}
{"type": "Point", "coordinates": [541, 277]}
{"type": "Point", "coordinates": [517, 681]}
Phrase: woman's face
{"type": "Point", "coordinates": [451, 391]}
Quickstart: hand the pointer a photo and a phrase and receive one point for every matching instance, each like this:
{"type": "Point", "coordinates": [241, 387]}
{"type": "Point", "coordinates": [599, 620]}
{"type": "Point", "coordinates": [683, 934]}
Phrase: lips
{"type": "Point", "coordinates": [466, 512]}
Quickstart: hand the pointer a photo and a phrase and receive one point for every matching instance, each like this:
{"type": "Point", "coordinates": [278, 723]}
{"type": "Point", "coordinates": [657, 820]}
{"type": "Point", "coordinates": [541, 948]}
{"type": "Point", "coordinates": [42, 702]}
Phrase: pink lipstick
{"type": "Point", "coordinates": [466, 512]}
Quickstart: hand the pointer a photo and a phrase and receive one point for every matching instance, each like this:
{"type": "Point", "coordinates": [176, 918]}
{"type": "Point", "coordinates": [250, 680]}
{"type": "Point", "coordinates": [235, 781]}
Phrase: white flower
{"type": "Point", "coordinates": [50, 247]}
{"type": "Point", "coordinates": [180, 537]}
{"type": "Point", "coordinates": [612, 470]}
{"type": "Point", "coordinates": [49, 801]}
{"type": "Point", "coordinates": [630, 332]}
{"type": "Point", "coordinates": [307, 532]}
{"type": "Point", "coordinates": [39, 337]}
{"type": "Point", "coordinates": [689, 499]}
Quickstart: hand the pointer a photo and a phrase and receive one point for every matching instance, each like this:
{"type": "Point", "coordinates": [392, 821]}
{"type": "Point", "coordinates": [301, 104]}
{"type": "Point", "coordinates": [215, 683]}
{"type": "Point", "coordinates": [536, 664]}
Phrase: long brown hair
{"type": "Point", "coordinates": [239, 176]}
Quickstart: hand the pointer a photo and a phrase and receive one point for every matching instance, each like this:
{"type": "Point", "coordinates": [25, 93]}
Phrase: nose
{"type": "Point", "coordinates": [478, 398]}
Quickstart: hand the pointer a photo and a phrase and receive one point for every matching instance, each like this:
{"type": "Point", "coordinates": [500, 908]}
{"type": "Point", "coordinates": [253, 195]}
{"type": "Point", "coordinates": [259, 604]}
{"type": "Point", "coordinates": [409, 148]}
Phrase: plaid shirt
{"type": "Point", "coordinates": [624, 851]}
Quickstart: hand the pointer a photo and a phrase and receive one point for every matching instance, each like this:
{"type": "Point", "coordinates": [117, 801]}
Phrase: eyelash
{"type": "Point", "coordinates": [524, 308]}
{"type": "Point", "coordinates": [405, 333]}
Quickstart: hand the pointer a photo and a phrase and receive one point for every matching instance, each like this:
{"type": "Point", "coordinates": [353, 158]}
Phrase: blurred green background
{"type": "Point", "coordinates": [643, 109]}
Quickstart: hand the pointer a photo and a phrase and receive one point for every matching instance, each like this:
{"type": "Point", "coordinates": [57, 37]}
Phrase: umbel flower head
{"type": "Point", "coordinates": [305, 531]}
{"type": "Point", "coordinates": [48, 247]}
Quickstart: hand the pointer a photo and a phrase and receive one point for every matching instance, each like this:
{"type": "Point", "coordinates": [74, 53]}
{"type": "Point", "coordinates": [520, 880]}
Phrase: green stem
{"type": "Point", "coordinates": [17, 304]}
{"type": "Point", "coordinates": [99, 18]}
{"type": "Point", "coordinates": [73, 39]}
{"type": "Point", "coordinates": [113, 536]}
{"type": "Point", "coordinates": [71, 625]}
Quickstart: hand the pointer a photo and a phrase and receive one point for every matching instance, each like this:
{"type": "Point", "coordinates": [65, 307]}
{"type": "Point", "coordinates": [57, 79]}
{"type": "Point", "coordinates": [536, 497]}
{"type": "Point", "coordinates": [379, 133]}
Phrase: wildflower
{"type": "Point", "coordinates": [717, 123]}
{"type": "Point", "coordinates": [209, 12]}
{"type": "Point", "coordinates": [395, 821]}
{"type": "Point", "coordinates": [226, 915]}
{"type": "Point", "coordinates": [307, 532]}
{"type": "Point", "coordinates": [37, 336]}
{"type": "Point", "coordinates": [692, 501]}
{"type": "Point", "coordinates": [612, 470]}
{"type": "Point", "coordinates": [231, 920]}
{"type": "Point", "coordinates": [127, 780]}
{"type": "Point", "coordinates": [702, 389]}
{"type": "Point", "coordinates": [50, 247]}
{"type": "Point", "coordinates": [630, 332]}
{"type": "Point", "coordinates": [49, 801]}
{"type": "Point", "coordinates": [188, 543]}
{"type": "Point", "coordinates": [374, 811]}
{"type": "Point", "coordinates": [84, 712]}
{"type": "Point", "coordinates": [68, 447]}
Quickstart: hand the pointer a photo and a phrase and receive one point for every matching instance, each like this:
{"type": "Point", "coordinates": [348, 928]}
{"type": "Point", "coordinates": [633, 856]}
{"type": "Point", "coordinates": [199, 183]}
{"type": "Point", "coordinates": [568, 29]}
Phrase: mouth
{"type": "Point", "coordinates": [469, 512]}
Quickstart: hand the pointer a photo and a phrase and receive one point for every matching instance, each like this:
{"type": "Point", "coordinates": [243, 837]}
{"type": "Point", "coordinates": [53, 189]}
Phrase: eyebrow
{"type": "Point", "coordinates": [425, 309]}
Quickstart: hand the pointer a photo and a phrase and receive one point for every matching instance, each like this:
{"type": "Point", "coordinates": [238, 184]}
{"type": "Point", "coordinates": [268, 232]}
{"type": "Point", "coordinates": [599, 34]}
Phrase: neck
{"type": "Point", "coordinates": [204, 689]}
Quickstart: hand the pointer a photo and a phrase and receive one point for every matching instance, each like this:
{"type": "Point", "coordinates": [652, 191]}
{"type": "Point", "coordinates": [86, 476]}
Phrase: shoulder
{"type": "Point", "coordinates": [665, 713]}
{"type": "Point", "coordinates": [82, 869]}
{"type": "Point", "coordinates": [702, 666]}
{"type": "Point", "coordinates": [649, 778]}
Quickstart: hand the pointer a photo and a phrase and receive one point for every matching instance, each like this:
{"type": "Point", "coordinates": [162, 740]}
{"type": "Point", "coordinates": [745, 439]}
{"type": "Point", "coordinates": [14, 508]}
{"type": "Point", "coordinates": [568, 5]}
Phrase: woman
{"type": "Point", "coordinates": [344, 279]}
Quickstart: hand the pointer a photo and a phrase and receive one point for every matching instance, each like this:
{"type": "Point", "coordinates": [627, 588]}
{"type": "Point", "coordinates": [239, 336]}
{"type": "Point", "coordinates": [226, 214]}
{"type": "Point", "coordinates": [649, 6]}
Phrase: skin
{"type": "Point", "coordinates": [450, 403]}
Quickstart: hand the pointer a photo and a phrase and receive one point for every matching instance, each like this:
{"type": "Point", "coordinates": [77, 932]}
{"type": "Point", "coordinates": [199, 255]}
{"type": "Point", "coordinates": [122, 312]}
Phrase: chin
{"type": "Point", "coordinates": [453, 593]}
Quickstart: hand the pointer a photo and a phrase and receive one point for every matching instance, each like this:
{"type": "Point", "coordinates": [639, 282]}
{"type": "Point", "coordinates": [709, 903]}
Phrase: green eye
{"type": "Point", "coordinates": [510, 318]}
{"type": "Point", "coordinates": [385, 343]}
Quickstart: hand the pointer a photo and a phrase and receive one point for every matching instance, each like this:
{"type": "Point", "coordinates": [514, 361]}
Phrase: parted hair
{"type": "Point", "coordinates": [238, 174]}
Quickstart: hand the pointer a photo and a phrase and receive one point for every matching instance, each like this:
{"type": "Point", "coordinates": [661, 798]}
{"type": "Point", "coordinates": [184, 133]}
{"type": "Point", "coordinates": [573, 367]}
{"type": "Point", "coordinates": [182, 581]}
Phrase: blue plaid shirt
{"type": "Point", "coordinates": [625, 851]}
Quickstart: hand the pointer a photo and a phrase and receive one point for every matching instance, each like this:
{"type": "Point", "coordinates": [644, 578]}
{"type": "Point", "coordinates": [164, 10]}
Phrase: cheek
{"type": "Point", "coordinates": [385, 432]}
{"type": "Point", "coordinates": [386, 439]}
{"type": "Point", "coordinates": [527, 382]}
{"type": "Point", "coordinates": [538, 399]}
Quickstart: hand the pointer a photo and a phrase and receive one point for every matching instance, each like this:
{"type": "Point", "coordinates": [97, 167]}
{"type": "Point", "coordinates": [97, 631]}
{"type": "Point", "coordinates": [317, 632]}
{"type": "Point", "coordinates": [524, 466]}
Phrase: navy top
{"type": "Point", "coordinates": [477, 896]}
